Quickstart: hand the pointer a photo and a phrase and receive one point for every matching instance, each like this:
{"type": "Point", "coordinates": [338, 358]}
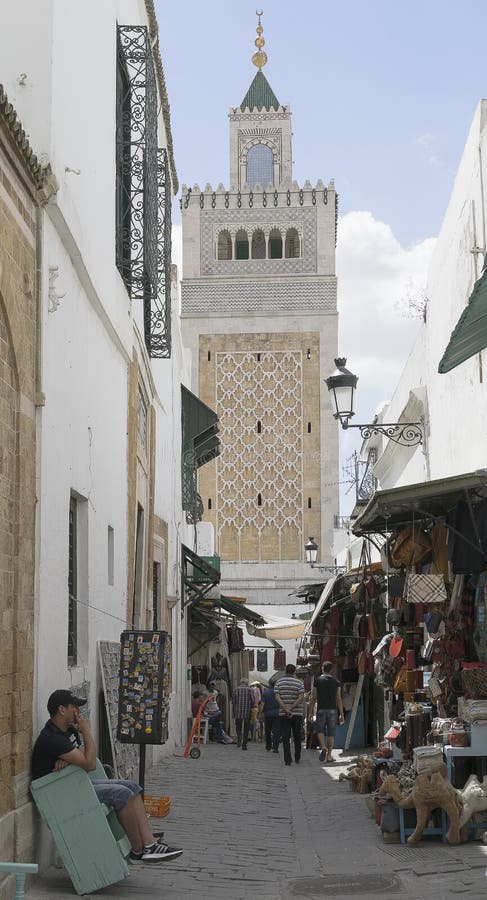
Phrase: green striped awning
{"type": "Point", "coordinates": [470, 333]}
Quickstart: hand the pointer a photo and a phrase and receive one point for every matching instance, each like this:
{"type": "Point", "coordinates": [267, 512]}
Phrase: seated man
{"type": "Point", "coordinates": [196, 703]}
{"type": "Point", "coordinates": [213, 713]}
{"type": "Point", "coordinates": [58, 745]}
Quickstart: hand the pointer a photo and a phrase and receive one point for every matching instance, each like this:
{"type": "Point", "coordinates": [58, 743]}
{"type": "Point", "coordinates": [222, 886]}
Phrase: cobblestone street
{"type": "Point", "coordinates": [251, 827]}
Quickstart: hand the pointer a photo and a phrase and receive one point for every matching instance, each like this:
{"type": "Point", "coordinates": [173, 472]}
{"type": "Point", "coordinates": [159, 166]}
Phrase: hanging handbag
{"type": "Point", "coordinates": [396, 646]}
{"type": "Point", "coordinates": [371, 626]}
{"type": "Point", "coordinates": [395, 585]}
{"type": "Point", "coordinates": [362, 662]}
{"type": "Point", "coordinates": [403, 680]}
{"type": "Point", "coordinates": [424, 588]}
{"type": "Point", "coordinates": [410, 545]}
{"type": "Point", "coordinates": [369, 582]}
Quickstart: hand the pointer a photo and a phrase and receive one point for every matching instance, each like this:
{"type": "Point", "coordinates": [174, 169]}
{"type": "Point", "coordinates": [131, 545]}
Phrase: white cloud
{"type": "Point", "coordinates": [376, 275]}
{"type": "Point", "coordinates": [425, 140]}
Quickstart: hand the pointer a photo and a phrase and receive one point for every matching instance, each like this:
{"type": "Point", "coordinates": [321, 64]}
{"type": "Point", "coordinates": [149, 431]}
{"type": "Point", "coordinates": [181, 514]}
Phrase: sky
{"type": "Point", "coordinates": [382, 96]}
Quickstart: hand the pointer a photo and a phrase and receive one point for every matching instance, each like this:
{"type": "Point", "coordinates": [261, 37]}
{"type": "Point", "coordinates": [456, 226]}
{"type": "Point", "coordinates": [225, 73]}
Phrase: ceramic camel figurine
{"type": "Point", "coordinates": [429, 792]}
{"type": "Point", "coordinates": [473, 797]}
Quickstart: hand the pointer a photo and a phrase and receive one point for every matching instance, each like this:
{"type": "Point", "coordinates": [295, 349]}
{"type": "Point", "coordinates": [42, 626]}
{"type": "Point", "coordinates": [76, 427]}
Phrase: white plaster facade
{"type": "Point", "coordinates": [59, 71]}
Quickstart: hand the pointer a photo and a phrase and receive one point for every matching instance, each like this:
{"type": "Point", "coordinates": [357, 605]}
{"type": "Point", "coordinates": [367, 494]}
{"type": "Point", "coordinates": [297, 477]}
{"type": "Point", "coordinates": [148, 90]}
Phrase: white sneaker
{"type": "Point", "coordinates": [159, 853]}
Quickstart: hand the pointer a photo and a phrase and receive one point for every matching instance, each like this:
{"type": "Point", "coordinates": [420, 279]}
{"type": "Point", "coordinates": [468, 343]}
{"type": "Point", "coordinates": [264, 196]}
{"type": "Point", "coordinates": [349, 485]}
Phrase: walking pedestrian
{"type": "Point", "coordinates": [270, 710]}
{"type": "Point", "coordinates": [327, 695]}
{"type": "Point", "coordinates": [243, 703]}
{"type": "Point", "coordinates": [289, 693]}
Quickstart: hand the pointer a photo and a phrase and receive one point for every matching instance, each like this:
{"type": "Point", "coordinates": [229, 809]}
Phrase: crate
{"type": "Point", "coordinates": [157, 806]}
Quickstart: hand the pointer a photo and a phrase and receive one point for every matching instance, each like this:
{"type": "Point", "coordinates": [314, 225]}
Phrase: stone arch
{"type": "Point", "coordinates": [258, 244]}
{"type": "Point", "coordinates": [256, 164]}
{"type": "Point", "coordinates": [224, 245]}
{"type": "Point", "coordinates": [292, 244]}
{"type": "Point", "coordinates": [275, 244]}
{"type": "Point", "coordinates": [266, 142]}
{"type": "Point", "coordinates": [241, 244]}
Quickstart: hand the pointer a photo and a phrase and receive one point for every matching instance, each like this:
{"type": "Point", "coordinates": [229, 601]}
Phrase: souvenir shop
{"type": "Point", "coordinates": [430, 659]}
{"type": "Point", "coordinates": [343, 629]}
{"type": "Point", "coordinates": [216, 650]}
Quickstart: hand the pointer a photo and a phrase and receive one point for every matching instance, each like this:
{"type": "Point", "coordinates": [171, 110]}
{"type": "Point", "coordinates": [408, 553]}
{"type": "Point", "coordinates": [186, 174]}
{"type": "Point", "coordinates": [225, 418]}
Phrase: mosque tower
{"type": "Point", "coordinates": [259, 314]}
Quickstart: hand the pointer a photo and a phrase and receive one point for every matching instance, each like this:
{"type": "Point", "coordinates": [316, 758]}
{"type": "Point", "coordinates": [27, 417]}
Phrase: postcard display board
{"type": "Point", "coordinates": [144, 687]}
{"type": "Point", "coordinates": [125, 756]}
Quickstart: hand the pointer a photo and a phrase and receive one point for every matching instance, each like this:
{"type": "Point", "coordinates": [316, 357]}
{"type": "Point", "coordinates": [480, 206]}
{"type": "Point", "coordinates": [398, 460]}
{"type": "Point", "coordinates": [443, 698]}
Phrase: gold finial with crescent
{"type": "Point", "coordinates": [259, 58]}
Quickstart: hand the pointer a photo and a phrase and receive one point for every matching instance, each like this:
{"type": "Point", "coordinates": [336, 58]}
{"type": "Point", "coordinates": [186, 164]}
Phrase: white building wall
{"type": "Point", "coordinates": [66, 103]}
{"type": "Point", "coordinates": [83, 448]}
{"type": "Point", "coordinates": [454, 404]}
{"type": "Point", "coordinates": [168, 377]}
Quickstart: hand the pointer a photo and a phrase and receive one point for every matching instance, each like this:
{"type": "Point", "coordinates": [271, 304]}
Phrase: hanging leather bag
{"type": "Point", "coordinates": [409, 546]}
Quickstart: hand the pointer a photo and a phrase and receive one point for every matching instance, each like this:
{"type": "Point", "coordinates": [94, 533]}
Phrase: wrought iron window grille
{"type": "Point", "coordinates": [368, 484]}
{"type": "Point", "coordinates": [143, 240]}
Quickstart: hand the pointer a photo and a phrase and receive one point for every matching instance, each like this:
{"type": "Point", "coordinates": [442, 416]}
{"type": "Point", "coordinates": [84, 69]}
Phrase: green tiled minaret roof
{"type": "Point", "coordinates": [260, 94]}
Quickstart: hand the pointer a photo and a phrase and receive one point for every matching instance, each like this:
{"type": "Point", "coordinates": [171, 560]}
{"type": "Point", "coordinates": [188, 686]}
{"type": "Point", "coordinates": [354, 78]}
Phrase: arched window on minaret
{"type": "Point", "coordinates": [258, 244]}
{"type": "Point", "coordinates": [292, 244]}
{"type": "Point", "coordinates": [275, 244]}
{"type": "Point", "coordinates": [241, 244]}
{"type": "Point", "coordinates": [224, 245]}
{"type": "Point", "coordinates": [260, 166]}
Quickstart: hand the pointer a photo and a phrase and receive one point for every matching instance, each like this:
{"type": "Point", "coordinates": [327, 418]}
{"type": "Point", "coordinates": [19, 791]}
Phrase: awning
{"type": "Point", "coordinates": [239, 610]}
{"type": "Point", "coordinates": [199, 427]}
{"type": "Point", "coordinates": [200, 444]}
{"type": "Point", "coordinates": [278, 629]}
{"type": "Point", "coordinates": [470, 333]}
{"type": "Point", "coordinates": [427, 500]}
{"type": "Point", "coordinates": [326, 593]}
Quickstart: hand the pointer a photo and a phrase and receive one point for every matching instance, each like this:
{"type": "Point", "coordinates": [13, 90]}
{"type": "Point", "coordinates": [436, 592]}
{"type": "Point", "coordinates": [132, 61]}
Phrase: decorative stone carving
{"type": "Point", "coordinates": [53, 296]}
{"type": "Point", "coordinates": [260, 388]}
{"type": "Point", "coordinates": [277, 297]}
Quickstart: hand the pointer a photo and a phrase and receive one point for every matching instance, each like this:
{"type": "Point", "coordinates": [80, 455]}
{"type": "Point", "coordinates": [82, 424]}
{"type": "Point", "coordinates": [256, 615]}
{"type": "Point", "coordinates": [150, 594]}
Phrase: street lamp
{"type": "Point", "coordinates": [311, 551]}
{"type": "Point", "coordinates": [342, 384]}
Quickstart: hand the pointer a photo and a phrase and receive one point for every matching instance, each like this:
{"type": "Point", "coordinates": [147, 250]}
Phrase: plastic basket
{"type": "Point", "coordinates": [157, 806]}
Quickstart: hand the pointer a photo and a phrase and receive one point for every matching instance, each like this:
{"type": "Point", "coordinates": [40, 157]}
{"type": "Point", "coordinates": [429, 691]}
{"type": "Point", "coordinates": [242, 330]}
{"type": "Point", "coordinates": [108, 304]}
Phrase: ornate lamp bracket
{"type": "Point", "coordinates": [406, 434]}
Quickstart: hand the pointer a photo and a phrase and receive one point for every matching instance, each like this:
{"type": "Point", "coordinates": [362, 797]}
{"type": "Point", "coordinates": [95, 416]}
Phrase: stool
{"type": "Point", "coordinates": [204, 725]}
{"type": "Point", "coordinates": [20, 870]}
{"type": "Point", "coordinates": [426, 831]}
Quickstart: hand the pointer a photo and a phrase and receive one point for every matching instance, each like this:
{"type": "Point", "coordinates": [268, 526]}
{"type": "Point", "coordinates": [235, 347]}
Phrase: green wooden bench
{"type": "Point", "coordinates": [20, 870]}
{"type": "Point", "coordinates": [88, 836]}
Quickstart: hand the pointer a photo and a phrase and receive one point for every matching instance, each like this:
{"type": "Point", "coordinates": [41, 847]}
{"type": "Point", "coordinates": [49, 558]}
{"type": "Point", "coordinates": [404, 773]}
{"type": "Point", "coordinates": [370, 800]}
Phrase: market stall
{"type": "Point", "coordinates": [431, 657]}
{"type": "Point", "coordinates": [343, 630]}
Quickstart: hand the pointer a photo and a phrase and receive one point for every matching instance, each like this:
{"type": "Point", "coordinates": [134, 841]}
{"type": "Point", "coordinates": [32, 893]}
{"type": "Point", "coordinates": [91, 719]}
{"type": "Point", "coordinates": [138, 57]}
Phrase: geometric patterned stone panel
{"type": "Point", "coordinates": [259, 489]}
{"type": "Point", "coordinates": [277, 297]}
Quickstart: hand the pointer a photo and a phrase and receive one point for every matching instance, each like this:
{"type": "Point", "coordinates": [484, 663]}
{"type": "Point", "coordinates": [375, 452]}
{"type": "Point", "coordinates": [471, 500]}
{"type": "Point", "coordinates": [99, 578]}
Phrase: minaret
{"type": "Point", "coordinates": [259, 315]}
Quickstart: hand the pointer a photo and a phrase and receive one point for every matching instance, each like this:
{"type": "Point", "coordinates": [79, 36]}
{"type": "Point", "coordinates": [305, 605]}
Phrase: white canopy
{"type": "Point", "coordinates": [278, 629]}
{"type": "Point", "coordinates": [330, 584]}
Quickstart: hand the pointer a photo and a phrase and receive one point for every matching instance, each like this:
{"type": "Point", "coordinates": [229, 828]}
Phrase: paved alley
{"type": "Point", "coordinates": [251, 827]}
